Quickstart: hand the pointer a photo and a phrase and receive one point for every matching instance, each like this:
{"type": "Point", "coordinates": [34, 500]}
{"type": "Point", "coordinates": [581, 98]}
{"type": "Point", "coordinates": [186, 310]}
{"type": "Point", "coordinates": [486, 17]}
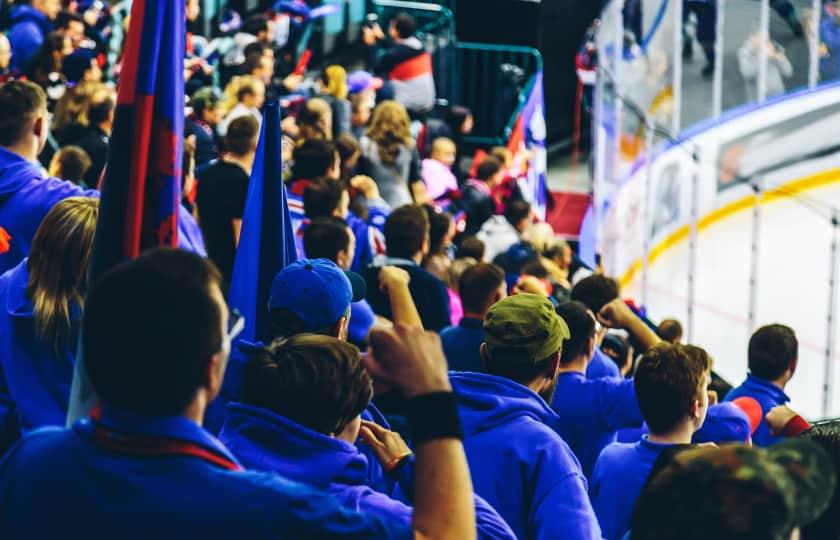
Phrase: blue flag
{"type": "Point", "coordinates": [529, 133]}
{"type": "Point", "coordinates": [267, 242]}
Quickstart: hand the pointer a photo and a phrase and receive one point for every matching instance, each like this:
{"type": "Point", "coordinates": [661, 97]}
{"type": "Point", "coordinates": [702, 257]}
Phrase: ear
{"type": "Point", "coordinates": [590, 348]}
{"type": "Point", "coordinates": [341, 329]}
{"type": "Point", "coordinates": [482, 351]}
{"type": "Point", "coordinates": [39, 125]}
{"type": "Point", "coordinates": [695, 409]}
{"type": "Point", "coordinates": [215, 374]}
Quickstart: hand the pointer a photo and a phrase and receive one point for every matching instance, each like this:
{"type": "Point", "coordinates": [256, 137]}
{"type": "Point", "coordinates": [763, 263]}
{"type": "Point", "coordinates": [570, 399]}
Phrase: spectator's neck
{"type": "Point", "coordinates": [195, 410]}
{"type": "Point", "coordinates": [25, 150]}
{"type": "Point", "coordinates": [577, 365]}
{"type": "Point", "coordinates": [246, 161]}
{"type": "Point", "coordinates": [680, 435]}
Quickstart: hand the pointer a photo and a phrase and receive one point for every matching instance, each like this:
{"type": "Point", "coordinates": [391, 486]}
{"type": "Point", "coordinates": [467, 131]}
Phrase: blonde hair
{"type": "Point", "coordinates": [443, 144]}
{"type": "Point", "coordinates": [58, 265]}
{"type": "Point", "coordinates": [236, 89]}
{"type": "Point", "coordinates": [335, 82]}
{"type": "Point", "coordinates": [74, 104]}
{"type": "Point", "coordinates": [390, 129]}
{"type": "Point", "coordinates": [315, 120]}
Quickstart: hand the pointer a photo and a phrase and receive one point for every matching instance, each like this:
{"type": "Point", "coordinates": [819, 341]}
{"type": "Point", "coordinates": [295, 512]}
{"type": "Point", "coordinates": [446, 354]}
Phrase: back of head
{"type": "Point", "coordinates": [102, 106]}
{"type": "Point", "coordinates": [322, 197]}
{"type": "Point", "coordinates": [58, 265]}
{"type": "Point", "coordinates": [595, 291]}
{"type": "Point", "coordinates": [470, 246]}
{"type": "Point", "coordinates": [479, 286]}
{"type": "Point", "coordinates": [517, 211]}
{"type": "Point", "coordinates": [74, 163]}
{"type": "Point", "coordinates": [488, 168]}
{"type": "Point", "coordinates": [334, 79]}
{"type": "Point", "coordinates": [313, 158]}
{"type": "Point", "coordinates": [255, 24]}
{"type": "Point", "coordinates": [317, 381]}
{"type": "Point", "coordinates": [347, 146]}
{"type": "Point", "coordinates": [773, 349]}
{"type": "Point", "coordinates": [439, 226]}
{"type": "Point", "coordinates": [581, 329]}
{"type": "Point", "coordinates": [21, 103]}
{"type": "Point", "coordinates": [668, 380]}
{"type": "Point", "coordinates": [670, 330]}
{"type": "Point", "coordinates": [204, 99]}
{"type": "Point", "coordinates": [242, 135]}
{"type": "Point", "coordinates": [151, 327]}
{"type": "Point", "coordinates": [325, 237]}
{"type": "Point", "coordinates": [405, 25]}
{"type": "Point", "coordinates": [315, 120]}
{"type": "Point", "coordinates": [827, 435]}
{"type": "Point", "coordinates": [407, 231]}
{"type": "Point", "coordinates": [390, 129]}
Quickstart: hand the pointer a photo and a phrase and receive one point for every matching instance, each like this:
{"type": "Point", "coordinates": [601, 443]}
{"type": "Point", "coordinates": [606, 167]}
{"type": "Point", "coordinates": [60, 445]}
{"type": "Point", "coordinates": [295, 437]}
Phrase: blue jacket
{"type": "Point", "coordinates": [462, 344]}
{"type": "Point", "coordinates": [427, 291]}
{"type": "Point", "coordinates": [768, 396]}
{"type": "Point", "coordinates": [519, 462]}
{"type": "Point", "coordinates": [620, 474]}
{"type": "Point", "coordinates": [592, 411]}
{"type": "Point", "coordinates": [370, 241]}
{"type": "Point", "coordinates": [29, 29]}
{"type": "Point", "coordinates": [361, 321]}
{"type": "Point", "coordinates": [75, 488]}
{"type": "Point", "coordinates": [265, 441]}
{"type": "Point", "coordinates": [27, 194]}
{"type": "Point", "coordinates": [34, 379]}
{"type": "Point", "coordinates": [602, 366]}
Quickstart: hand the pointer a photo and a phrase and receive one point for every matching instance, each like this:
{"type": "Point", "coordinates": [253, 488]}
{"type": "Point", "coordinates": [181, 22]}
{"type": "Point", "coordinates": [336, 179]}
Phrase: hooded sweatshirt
{"type": "Point", "coordinates": [27, 195]}
{"type": "Point", "coordinates": [29, 28]}
{"type": "Point", "coordinates": [265, 441]}
{"type": "Point", "coordinates": [33, 376]}
{"type": "Point", "coordinates": [518, 461]}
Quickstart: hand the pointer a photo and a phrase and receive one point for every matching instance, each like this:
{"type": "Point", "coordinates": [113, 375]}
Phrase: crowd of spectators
{"type": "Point", "coordinates": [440, 364]}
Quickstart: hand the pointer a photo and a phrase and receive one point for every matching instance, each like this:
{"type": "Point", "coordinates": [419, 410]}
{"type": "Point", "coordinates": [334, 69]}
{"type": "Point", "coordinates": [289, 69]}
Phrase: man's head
{"type": "Point", "coordinates": [206, 106]}
{"type": "Point", "coordinates": [73, 26]}
{"type": "Point", "coordinates": [403, 26]}
{"type": "Point", "coordinates": [50, 8]}
{"type": "Point", "coordinates": [316, 381]}
{"type": "Point", "coordinates": [316, 158]}
{"type": "Point", "coordinates": [154, 334]}
{"type": "Point", "coordinates": [518, 214]}
{"type": "Point", "coordinates": [259, 66]}
{"type": "Point", "coordinates": [407, 232]}
{"type": "Point", "coordinates": [481, 286]}
{"type": "Point", "coordinates": [595, 291]}
{"type": "Point", "coordinates": [325, 197]}
{"type": "Point", "coordinates": [670, 330]}
{"type": "Point", "coordinates": [523, 339]}
{"type": "Point", "coordinates": [23, 118]}
{"type": "Point", "coordinates": [773, 353]}
{"type": "Point", "coordinates": [471, 246]}
{"type": "Point", "coordinates": [80, 67]}
{"type": "Point", "coordinates": [71, 163]}
{"type": "Point", "coordinates": [490, 171]}
{"type": "Point", "coordinates": [242, 136]}
{"type": "Point", "coordinates": [581, 323]}
{"type": "Point", "coordinates": [313, 296]}
{"type": "Point", "coordinates": [259, 26]}
{"type": "Point", "coordinates": [444, 150]}
{"type": "Point", "coordinates": [330, 238]}
{"type": "Point", "coordinates": [5, 52]}
{"type": "Point", "coordinates": [251, 92]}
{"type": "Point", "coordinates": [671, 383]}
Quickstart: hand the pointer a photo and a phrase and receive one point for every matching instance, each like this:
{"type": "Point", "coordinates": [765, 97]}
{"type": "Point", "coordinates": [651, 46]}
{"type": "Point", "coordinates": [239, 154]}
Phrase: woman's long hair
{"type": "Point", "coordinates": [390, 129]}
{"type": "Point", "coordinates": [334, 82]}
{"type": "Point", "coordinates": [58, 265]}
{"type": "Point", "coordinates": [72, 107]}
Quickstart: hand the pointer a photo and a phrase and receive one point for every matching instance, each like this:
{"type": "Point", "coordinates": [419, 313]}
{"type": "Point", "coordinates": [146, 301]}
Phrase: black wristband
{"type": "Point", "coordinates": [433, 416]}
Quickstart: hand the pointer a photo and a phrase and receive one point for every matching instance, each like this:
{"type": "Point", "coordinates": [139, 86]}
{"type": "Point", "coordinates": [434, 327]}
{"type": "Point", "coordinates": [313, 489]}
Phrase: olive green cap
{"type": "Point", "coordinates": [525, 326]}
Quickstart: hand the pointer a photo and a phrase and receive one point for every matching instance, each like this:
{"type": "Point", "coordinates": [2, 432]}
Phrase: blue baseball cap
{"type": "Point", "coordinates": [729, 422]}
{"type": "Point", "coordinates": [359, 81]}
{"type": "Point", "coordinates": [317, 291]}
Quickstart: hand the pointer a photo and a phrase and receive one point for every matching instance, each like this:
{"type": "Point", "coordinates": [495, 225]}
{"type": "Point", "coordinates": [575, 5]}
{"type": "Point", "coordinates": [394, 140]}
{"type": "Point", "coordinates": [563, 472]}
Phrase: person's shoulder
{"type": "Point", "coordinates": [39, 447]}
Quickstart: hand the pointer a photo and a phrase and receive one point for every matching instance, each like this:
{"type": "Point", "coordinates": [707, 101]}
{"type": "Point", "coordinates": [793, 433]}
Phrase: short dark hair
{"type": "Point", "coordinates": [100, 111]}
{"type": "Point", "coordinates": [321, 197]}
{"type": "Point", "coordinates": [254, 47]}
{"type": "Point", "coordinates": [325, 237]}
{"type": "Point", "coordinates": [470, 246]}
{"type": "Point", "coordinates": [255, 24]}
{"type": "Point", "coordinates": [20, 104]}
{"type": "Point", "coordinates": [74, 162]}
{"type": "Point", "coordinates": [439, 224]}
{"type": "Point", "coordinates": [536, 269]}
{"type": "Point", "coordinates": [150, 329]}
{"type": "Point", "coordinates": [65, 17]}
{"type": "Point", "coordinates": [477, 286]}
{"type": "Point", "coordinates": [347, 145]}
{"type": "Point", "coordinates": [242, 134]}
{"type": "Point", "coordinates": [772, 350]}
{"type": "Point", "coordinates": [313, 158]}
{"type": "Point", "coordinates": [406, 230]}
{"type": "Point", "coordinates": [827, 435]}
{"type": "Point", "coordinates": [488, 168]}
{"type": "Point", "coordinates": [595, 291]}
{"type": "Point", "coordinates": [285, 323]}
{"type": "Point", "coordinates": [508, 364]}
{"type": "Point", "coordinates": [668, 379]}
{"type": "Point", "coordinates": [516, 211]}
{"type": "Point", "coordinates": [317, 381]}
{"type": "Point", "coordinates": [405, 25]}
{"type": "Point", "coordinates": [670, 330]}
{"type": "Point", "coordinates": [253, 60]}
{"type": "Point", "coordinates": [581, 327]}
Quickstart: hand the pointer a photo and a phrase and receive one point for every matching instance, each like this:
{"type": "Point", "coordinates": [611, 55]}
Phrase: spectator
{"type": "Point", "coordinates": [773, 355]}
{"type": "Point", "coordinates": [26, 194]}
{"type": "Point", "coordinates": [456, 270]}
{"type": "Point", "coordinates": [619, 349]}
{"type": "Point", "coordinates": [81, 66]}
{"type": "Point", "coordinates": [480, 287]}
{"type": "Point", "coordinates": [313, 158]}
{"type": "Point", "coordinates": [778, 69]}
{"type": "Point", "coordinates": [30, 24]}
{"type": "Point", "coordinates": [349, 153]}
{"type": "Point", "coordinates": [6, 71]}
{"type": "Point", "coordinates": [672, 390]}
{"type": "Point", "coordinates": [73, 25]}
{"type": "Point", "coordinates": [206, 115]}
{"type": "Point", "coordinates": [360, 113]}
{"type": "Point", "coordinates": [407, 241]}
{"type": "Point", "coordinates": [519, 463]}
{"type": "Point", "coordinates": [441, 233]}
{"type": "Point", "coordinates": [315, 120]}
{"type": "Point", "coordinates": [158, 388]}
{"type": "Point", "coordinates": [477, 200]}
{"type": "Point", "coordinates": [334, 90]}
{"type": "Point", "coordinates": [244, 96]}
{"type": "Point", "coordinates": [45, 67]}
{"type": "Point", "coordinates": [70, 163]}
{"type": "Point", "coordinates": [405, 64]}
{"type": "Point", "coordinates": [670, 330]}
{"type": "Point", "coordinates": [222, 189]}
{"type": "Point", "coordinates": [457, 123]}
{"type": "Point", "coordinates": [591, 411]}
{"type": "Point", "coordinates": [42, 300]}
{"type": "Point", "coordinates": [70, 120]}
{"type": "Point", "coordinates": [390, 156]}
{"type": "Point", "coordinates": [736, 492]}
{"type": "Point", "coordinates": [100, 117]}
{"type": "Point", "coordinates": [471, 246]}
{"type": "Point", "coordinates": [827, 435]}
{"type": "Point", "coordinates": [595, 292]}
{"type": "Point", "coordinates": [500, 233]}
{"type": "Point", "coordinates": [437, 172]}
{"type": "Point", "coordinates": [260, 67]}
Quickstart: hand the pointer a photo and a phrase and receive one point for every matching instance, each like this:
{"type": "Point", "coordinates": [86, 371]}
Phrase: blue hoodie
{"type": "Point", "coordinates": [519, 462]}
{"type": "Point", "coordinates": [34, 379]}
{"type": "Point", "coordinates": [28, 31]}
{"type": "Point", "coordinates": [602, 366]}
{"type": "Point", "coordinates": [591, 413]}
{"type": "Point", "coordinates": [27, 194]}
{"type": "Point", "coordinates": [265, 441]}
